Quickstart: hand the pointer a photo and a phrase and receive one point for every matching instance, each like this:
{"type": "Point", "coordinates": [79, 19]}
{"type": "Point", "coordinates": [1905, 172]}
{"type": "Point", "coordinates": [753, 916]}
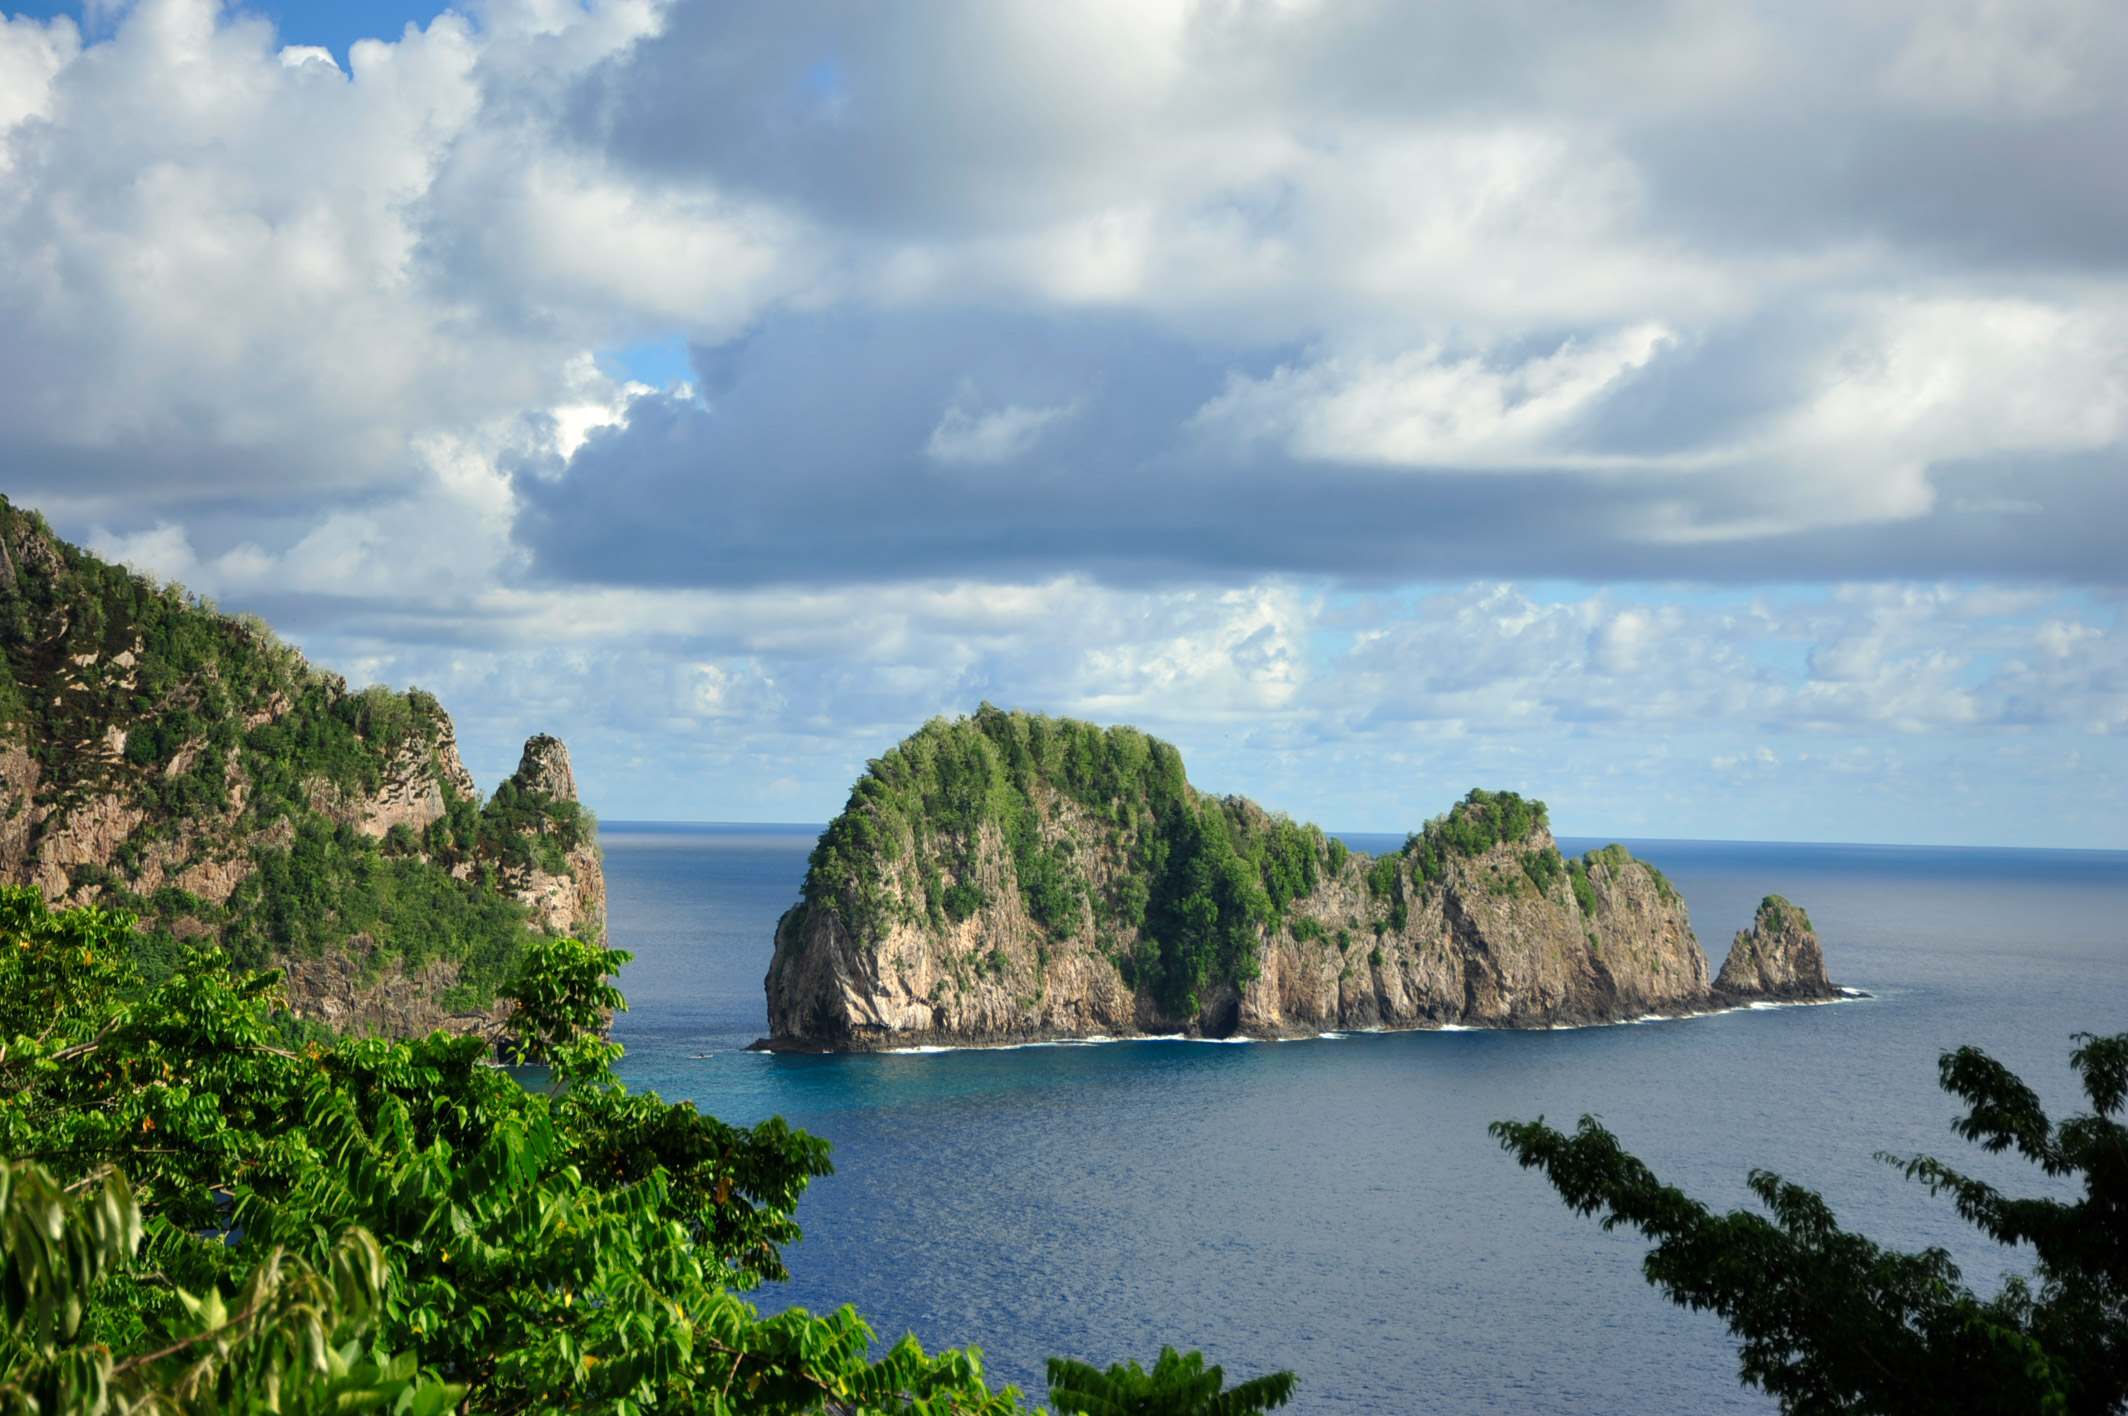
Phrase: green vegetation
{"type": "Point", "coordinates": [1177, 1385]}
{"type": "Point", "coordinates": [1779, 914]}
{"type": "Point", "coordinates": [1470, 828]}
{"type": "Point", "coordinates": [197, 1219]}
{"type": "Point", "coordinates": [1200, 878]}
{"type": "Point", "coordinates": [240, 759]}
{"type": "Point", "coordinates": [1830, 1321]}
{"type": "Point", "coordinates": [1616, 858]}
{"type": "Point", "coordinates": [1577, 872]}
{"type": "Point", "coordinates": [1544, 868]}
{"type": "Point", "coordinates": [1095, 837]}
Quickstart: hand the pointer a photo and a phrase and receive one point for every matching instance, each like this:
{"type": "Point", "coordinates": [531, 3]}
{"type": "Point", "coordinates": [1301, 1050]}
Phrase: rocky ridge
{"type": "Point", "coordinates": [160, 757]}
{"type": "Point", "coordinates": [994, 881]}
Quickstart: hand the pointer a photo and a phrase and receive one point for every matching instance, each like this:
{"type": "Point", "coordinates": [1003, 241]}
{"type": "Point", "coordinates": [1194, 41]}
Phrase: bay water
{"type": "Point", "coordinates": [1334, 1205]}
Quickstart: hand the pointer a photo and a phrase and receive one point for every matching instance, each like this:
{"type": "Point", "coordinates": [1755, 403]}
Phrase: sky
{"type": "Point", "coordinates": [1709, 417]}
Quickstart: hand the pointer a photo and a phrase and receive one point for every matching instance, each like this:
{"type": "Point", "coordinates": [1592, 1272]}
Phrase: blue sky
{"type": "Point", "coordinates": [334, 25]}
{"type": "Point", "coordinates": [1708, 418]}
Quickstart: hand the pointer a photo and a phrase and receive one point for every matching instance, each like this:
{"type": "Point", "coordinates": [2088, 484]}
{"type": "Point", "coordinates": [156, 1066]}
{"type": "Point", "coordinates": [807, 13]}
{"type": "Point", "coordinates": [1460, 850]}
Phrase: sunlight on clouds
{"type": "Point", "coordinates": [1933, 379]}
{"type": "Point", "coordinates": [628, 256]}
{"type": "Point", "coordinates": [31, 56]}
{"type": "Point", "coordinates": [296, 55]}
{"type": "Point", "coordinates": [1824, 299]}
{"type": "Point", "coordinates": [1421, 409]}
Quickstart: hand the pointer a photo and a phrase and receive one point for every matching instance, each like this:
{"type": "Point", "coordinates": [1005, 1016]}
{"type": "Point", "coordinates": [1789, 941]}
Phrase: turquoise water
{"type": "Point", "coordinates": [1335, 1206]}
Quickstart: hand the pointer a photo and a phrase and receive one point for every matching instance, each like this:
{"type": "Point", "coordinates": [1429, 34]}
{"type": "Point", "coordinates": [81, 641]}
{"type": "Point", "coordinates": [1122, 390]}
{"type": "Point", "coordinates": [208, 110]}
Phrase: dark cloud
{"type": "Point", "coordinates": [811, 466]}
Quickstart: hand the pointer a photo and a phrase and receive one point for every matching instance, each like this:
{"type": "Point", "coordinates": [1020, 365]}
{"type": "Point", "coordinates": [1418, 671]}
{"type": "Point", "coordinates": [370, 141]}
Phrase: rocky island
{"type": "Point", "coordinates": [1011, 877]}
{"type": "Point", "coordinates": [187, 766]}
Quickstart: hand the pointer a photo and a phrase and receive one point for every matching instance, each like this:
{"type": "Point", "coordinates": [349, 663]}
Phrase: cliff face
{"type": "Point", "coordinates": [1010, 877]}
{"type": "Point", "coordinates": [562, 881]}
{"type": "Point", "coordinates": [1778, 958]}
{"type": "Point", "coordinates": [159, 757]}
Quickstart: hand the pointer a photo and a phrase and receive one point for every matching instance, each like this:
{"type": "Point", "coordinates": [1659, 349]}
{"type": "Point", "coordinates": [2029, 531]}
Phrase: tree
{"type": "Point", "coordinates": [1829, 1321]}
{"type": "Point", "coordinates": [201, 1220]}
{"type": "Point", "coordinates": [289, 1340]}
{"type": "Point", "coordinates": [1176, 1386]}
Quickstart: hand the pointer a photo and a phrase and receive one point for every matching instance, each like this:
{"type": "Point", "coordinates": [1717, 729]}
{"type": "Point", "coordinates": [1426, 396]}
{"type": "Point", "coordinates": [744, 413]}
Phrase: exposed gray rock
{"type": "Point", "coordinates": [1486, 946]}
{"type": "Point", "coordinates": [544, 767]}
{"type": "Point", "coordinates": [1777, 959]}
{"type": "Point", "coordinates": [573, 902]}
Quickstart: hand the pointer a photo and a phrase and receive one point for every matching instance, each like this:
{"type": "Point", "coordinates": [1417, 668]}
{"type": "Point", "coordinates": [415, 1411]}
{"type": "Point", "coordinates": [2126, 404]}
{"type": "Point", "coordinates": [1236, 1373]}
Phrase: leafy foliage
{"type": "Point", "coordinates": [1778, 914]}
{"type": "Point", "coordinates": [1545, 868]}
{"type": "Point", "coordinates": [1473, 826]}
{"type": "Point", "coordinates": [288, 1340]}
{"type": "Point", "coordinates": [200, 1220]}
{"type": "Point", "coordinates": [1177, 1385]}
{"type": "Point", "coordinates": [1830, 1321]}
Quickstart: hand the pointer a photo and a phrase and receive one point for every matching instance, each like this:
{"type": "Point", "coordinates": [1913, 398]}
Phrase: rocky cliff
{"type": "Point", "coordinates": [1011, 877]}
{"type": "Point", "coordinates": [1777, 959]}
{"type": "Point", "coordinates": [160, 757]}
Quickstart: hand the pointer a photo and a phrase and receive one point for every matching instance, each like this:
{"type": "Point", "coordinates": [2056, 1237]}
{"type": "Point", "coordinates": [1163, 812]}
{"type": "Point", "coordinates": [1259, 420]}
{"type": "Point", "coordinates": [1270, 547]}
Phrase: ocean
{"type": "Point", "coordinates": [1334, 1205]}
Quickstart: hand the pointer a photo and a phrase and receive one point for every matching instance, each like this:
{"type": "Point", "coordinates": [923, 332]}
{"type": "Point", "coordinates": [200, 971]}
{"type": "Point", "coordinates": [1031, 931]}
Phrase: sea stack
{"type": "Point", "coordinates": [1012, 877]}
{"type": "Point", "coordinates": [1777, 959]}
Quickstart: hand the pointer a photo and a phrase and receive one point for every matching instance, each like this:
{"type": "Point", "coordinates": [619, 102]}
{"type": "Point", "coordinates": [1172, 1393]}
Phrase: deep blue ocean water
{"type": "Point", "coordinates": [1335, 1206]}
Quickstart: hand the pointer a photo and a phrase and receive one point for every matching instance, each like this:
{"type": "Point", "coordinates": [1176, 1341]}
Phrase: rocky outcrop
{"type": "Point", "coordinates": [544, 768]}
{"type": "Point", "coordinates": [162, 758]}
{"type": "Point", "coordinates": [354, 991]}
{"type": "Point", "coordinates": [1488, 946]}
{"type": "Point", "coordinates": [365, 989]}
{"type": "Point", "coordinates": [572, 899]}
{"type": "Point", "coordinates": [1777, 959]}
{"type": "Point", "coordinates": [90, 834]}
{"type": "Point", "coordinates": [19, 811]}
{"type": "Point", "coordinates": [922, 919]}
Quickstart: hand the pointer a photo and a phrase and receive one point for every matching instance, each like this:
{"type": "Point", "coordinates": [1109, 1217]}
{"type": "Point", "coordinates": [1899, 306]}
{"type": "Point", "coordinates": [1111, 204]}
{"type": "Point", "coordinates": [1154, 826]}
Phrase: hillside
{"type": "Point", "coordinates": [1010, 876]}
{"type": "Point", "coordinates": [160, 757]}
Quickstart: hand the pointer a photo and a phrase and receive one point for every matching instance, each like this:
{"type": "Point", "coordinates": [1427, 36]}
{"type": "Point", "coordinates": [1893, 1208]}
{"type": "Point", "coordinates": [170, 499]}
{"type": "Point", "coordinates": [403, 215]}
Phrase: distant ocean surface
{"type": "Point", "coordinates": [1335, 1206]}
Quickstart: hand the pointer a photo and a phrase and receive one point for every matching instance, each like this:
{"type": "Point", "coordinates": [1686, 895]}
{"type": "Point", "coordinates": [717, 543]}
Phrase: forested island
{"type": "Point", "coordinates": [1008, 877]}
{"type": "Point", "coordinates": [188, 767]}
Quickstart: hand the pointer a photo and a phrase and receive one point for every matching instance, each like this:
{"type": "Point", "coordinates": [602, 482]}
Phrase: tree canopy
{"type": "Point", "coordinates": [198, 1218]}
{"type": "Point", "coordinates": [1830, 1321]}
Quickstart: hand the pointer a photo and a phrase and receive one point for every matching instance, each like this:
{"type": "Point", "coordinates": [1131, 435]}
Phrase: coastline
{"type": "Point", "coordinates": [1009, 1044]}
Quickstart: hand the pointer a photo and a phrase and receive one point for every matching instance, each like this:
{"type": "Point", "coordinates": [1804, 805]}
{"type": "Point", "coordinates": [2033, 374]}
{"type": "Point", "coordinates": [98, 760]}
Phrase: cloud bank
{"type": "Point", "coordinates": [1058, 333]}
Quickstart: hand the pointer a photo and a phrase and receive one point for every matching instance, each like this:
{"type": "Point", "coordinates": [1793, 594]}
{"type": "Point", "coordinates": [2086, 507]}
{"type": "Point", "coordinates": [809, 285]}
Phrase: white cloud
{"type": "Point", "coordinates": [1360, 712]}
{"type": "Point", "coordinates": [1425, 409]}
{"type": "Point", "coordinates": [31, 54]}
{"type": "Point", "coordinates": [229, 263]}
{"type": "Point", "coordinates": [1922, 381]}
{"type": "Point", "coordinates": [296, 55]}
{"type": "Point", "coordinates": [1720, 274]}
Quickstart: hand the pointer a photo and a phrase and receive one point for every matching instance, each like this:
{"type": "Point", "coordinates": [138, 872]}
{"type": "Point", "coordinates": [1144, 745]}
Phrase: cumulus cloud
{"type": "Point", "coordinates": [232, 268]}
{"type": "Point", "coordinates": [1206, 363]}
{"type": "Point", "coordinates": [1421, 409]}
